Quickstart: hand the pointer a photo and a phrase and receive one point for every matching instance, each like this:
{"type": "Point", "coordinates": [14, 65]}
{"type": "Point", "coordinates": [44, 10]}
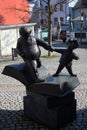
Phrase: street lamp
{"type": "Point", "coordinates": [69, 19]}
{"type": "Point", "coordinates": [81, 25]}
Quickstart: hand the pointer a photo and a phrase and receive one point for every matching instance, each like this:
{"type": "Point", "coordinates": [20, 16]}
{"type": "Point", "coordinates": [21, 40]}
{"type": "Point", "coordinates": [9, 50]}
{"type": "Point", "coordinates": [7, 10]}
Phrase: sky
{"type": "Point", "coordinates": [32, 2]}
{"type": "Point", "coordinates": [73, 3]}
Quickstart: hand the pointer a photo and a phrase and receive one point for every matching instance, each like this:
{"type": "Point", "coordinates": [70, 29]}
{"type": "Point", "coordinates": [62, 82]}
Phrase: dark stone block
{"type": "Point", "coordinates": [20, 72]}
{"type": "Point", "coordinates": [53, 101]}
{"type": "Point", "coordinates": [38, 108]}
{"type": "Point", "coordinates": [55, 86]}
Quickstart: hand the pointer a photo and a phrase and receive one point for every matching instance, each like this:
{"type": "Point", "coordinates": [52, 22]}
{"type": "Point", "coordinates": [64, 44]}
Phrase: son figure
{"type": "Point", "coordinates": [67, 57]}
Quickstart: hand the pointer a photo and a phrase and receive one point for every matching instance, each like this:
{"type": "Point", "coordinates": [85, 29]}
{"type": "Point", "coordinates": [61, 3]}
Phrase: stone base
{"type": "Point", "coordinates": [53, 112]}
{"type": "Point", "coordinates": [58, 86]}
{"type": "Point", "coordinates": [19, 72]}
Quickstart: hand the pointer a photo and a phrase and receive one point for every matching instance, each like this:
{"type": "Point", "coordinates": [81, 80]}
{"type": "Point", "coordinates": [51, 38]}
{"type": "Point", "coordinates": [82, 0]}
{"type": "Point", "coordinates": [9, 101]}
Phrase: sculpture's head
{"type": "Point", "coordinates": [24, 32]}
{"type": "Point", "coordinates": [72, 44]}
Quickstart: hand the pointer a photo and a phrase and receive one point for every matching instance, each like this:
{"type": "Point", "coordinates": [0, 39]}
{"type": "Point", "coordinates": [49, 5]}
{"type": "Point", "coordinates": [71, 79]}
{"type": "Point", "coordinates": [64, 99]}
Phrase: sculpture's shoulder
{"type": "Point", "coordinates": [19, 40]}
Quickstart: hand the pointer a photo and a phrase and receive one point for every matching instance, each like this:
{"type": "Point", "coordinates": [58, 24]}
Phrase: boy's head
{"type": "Point", "coordinates": [72, 44]}
{"type": "Point", "coordinates": [24, 31]}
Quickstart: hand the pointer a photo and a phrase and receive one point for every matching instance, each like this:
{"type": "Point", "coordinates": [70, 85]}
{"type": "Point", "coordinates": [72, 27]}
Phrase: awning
{"type": "Point", "coordinates": [76, 19]}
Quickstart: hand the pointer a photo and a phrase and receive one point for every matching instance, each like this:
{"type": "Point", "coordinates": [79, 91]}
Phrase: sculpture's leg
{"type": "Point", "coordinates": [69, 69]}
{"type": "Point", "coordinates": [34, 63]}
{"type": "Point", "coordinates": [60, 67]}
{"type": "Point", "coordinates": [33, 72]}
{"type": "Point", "coordinates": [38, 63]}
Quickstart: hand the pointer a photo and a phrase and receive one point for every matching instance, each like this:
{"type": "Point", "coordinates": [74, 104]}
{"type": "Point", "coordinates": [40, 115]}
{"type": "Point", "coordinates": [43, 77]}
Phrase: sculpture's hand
{"type": "Point", "coordinates": [52, 49]}
{"type": "Point", "coordinates": [59, 50]}
{"type": "Point", "coordinates": [76, 58]}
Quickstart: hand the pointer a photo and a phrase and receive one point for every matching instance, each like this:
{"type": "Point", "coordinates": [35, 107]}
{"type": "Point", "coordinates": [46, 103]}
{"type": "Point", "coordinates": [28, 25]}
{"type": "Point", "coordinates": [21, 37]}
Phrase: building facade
{"type": "Point", "coordinates": [79, 17]}
{"type": "Point", "coordinates": [78, 21]}
{"type": "Point", "coordinates": [59, 15]}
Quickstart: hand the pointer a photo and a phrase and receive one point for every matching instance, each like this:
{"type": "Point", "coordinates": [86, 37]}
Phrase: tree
{"type": "Point", "coordinates": [51, 9]}
{"type": "Point", "coordinates": [48, 13]}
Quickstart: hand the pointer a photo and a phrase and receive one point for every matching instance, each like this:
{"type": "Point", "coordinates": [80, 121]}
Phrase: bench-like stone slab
{"type": "Point", "coordinates": [19, 72]}
{"type": "Point", "coordinates": [55, 86]}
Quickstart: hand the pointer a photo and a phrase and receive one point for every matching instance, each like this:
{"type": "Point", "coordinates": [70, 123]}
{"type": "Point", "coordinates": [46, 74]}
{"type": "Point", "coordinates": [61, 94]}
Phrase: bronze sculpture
{"type": "Point", "coordinates": [28, 48]}
{"type": "Point", "coordinates": [52, 102]}
{"type": "Point", "coordinates": [67, 57]}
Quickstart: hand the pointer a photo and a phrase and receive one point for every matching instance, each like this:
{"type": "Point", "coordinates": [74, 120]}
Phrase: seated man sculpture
{"type": "Point", "coordinates": [28, 48]}
{"type": "Point", "coordinates": [67, 57]}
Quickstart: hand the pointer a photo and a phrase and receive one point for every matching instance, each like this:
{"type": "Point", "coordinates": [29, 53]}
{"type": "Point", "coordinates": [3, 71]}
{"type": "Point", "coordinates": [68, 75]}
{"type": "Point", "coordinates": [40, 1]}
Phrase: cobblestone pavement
{"type": "Point", "coordinates": [12, 92]}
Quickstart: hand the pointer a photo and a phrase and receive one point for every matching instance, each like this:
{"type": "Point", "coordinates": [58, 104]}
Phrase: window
{"type": "Point", "coordinates": [61, 20]}
{"type": "Point", "coordinates": [55, 21]}
{"type": "Point", "coordinates": [46, 8]}
{"type": "Point", "coordinates": [42, 21]}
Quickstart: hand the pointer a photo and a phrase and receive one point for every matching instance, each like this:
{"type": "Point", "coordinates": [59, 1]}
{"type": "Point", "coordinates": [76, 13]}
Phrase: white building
{"type": "Point", "coordinates": [60, 14]}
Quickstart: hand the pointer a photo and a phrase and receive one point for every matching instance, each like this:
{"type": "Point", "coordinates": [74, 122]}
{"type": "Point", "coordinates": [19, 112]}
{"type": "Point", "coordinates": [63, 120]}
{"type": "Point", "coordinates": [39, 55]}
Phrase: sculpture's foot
{"type": "Point", "coordinates": [73, 75]}
{"type": "Point", "coordinates": [55, 75]}
{"type": "Point", "coordinates": [39, 80]}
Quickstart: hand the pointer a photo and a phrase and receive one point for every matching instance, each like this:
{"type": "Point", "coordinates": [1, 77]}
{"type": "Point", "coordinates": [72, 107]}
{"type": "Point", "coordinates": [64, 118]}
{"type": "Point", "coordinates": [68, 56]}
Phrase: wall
{"type": "Point", "coordinates": [9, 35]}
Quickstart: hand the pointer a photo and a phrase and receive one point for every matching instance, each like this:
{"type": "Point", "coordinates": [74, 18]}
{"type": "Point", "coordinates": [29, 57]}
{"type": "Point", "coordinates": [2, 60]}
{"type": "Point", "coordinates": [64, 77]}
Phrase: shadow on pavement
{"type": "Point", "coordinates": [15, 120]}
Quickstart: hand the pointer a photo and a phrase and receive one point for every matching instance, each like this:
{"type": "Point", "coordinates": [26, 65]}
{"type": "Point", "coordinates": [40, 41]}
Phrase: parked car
{"type": "Point", "coordinates": [63, 35]}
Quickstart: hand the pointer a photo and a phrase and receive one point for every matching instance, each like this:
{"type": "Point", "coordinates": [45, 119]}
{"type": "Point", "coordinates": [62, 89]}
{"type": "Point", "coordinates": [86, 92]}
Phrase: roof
{"type": "Point", "coordinates": [77, 19]}
{"type": "Point", "coordinates": [79, 5]}
{"type": "Point", "coordinates": [14, 12]}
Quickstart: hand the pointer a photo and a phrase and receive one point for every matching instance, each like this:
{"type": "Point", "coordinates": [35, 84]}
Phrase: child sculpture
{"type": "Point", "coordinates": [67, 57]}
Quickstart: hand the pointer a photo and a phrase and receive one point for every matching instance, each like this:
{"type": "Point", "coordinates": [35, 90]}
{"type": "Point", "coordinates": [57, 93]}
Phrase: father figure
{"type": "Point", "coordinates": [28, 48]}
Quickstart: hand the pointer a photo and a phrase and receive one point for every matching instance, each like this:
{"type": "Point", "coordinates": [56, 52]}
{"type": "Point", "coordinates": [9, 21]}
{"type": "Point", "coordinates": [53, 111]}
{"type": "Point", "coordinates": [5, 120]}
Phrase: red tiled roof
{"type": "Point", "coordinates": [14, 12]}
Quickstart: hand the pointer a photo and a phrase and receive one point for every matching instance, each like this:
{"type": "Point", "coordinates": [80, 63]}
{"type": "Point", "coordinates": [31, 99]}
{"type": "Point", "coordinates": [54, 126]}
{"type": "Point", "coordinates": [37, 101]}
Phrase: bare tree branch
{"type": "Point", "coordinates": [45, 1]}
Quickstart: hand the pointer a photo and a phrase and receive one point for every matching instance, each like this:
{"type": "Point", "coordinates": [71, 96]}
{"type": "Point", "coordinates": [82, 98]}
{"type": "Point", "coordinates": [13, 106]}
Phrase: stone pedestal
{"type": "Point", "coordinates": [53, 112]}
{"type": "Point", "coordinates": [51, 103]}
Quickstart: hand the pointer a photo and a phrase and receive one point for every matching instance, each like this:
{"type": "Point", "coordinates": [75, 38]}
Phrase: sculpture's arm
{"type": "Point", "coordinates": [74, 56]}
{"type": "Point", "coordinates": [20, 50]}
{"type": "Point", "coordinates": [44, 44]}
{"type": "Point", "coordinates": [60, 50]}
{"type": "Point", "coordinates": [21, 54]}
